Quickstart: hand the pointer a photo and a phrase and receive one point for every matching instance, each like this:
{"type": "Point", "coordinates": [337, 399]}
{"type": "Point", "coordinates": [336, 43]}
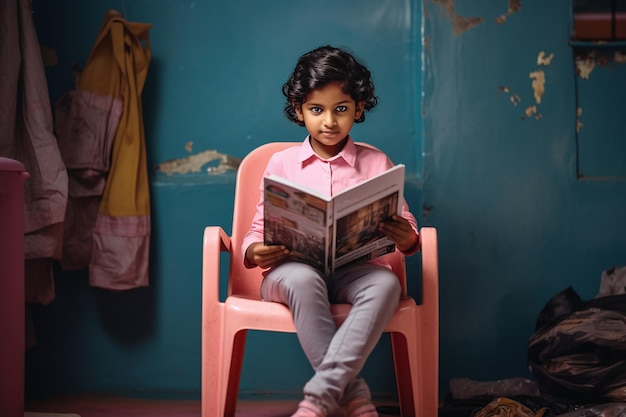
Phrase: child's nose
{"type": "Point", "coordinates": [329, 119]}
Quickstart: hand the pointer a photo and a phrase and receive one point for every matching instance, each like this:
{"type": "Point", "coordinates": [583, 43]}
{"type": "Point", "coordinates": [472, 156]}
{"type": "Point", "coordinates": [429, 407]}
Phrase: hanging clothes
{"type": "Point", "coordinates": [117, 67]}
{"type": "Point", "coordinates": [26, 134]}
{"type": "Point", "coordinates": [85, 125]}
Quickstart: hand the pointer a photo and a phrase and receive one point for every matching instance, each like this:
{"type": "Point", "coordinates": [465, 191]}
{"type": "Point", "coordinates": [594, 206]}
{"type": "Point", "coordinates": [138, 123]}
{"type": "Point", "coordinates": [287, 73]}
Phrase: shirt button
{"type": "Point", "coordinates": [326, 177]}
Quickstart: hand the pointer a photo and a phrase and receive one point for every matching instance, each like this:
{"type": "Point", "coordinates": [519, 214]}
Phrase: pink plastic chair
{"type": "Point", "coordinates": [414, 328]}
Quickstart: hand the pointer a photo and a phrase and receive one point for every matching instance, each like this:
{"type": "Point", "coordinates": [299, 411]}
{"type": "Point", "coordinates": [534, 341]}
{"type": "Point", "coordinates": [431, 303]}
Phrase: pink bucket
{"type": "Point", "coordinates": [12, 298]}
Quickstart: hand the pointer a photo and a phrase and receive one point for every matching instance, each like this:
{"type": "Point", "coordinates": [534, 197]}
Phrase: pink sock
{"type": "Point", "coordinates": [361, 408]}
{"type": "Point", "coordinates": [308, 409]}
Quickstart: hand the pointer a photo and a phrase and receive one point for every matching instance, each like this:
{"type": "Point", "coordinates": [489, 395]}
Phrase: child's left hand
{"type": "Point", "coordinates": [400, 231]}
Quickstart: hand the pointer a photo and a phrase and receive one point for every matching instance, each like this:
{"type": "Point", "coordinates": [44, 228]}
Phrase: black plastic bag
{"type": "Point", "coordinates": [578, 350]}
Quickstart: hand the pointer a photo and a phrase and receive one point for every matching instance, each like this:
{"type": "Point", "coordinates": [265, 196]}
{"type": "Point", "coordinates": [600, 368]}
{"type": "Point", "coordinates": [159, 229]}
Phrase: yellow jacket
{"type": "Point", "coordinates": [117, 67]}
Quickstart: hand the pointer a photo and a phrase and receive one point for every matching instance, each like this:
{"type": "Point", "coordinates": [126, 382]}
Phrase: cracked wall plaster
{"type": "Point", "coordinates": [460, 24]}
{"type": "Point", "coordinates": [514, 98]}
{"type": "Point", "coordinates": [542, 59]}
{"type": "Point", "coordinates": [194, 163]}
{"type": "Point", "coordinates": [587, 62]}
{"type": "Point", "coordinates": [538, 84]}
{"type": "Point", "coordinates": [531, 111]}
{"type": "Point", "coordinates": [514, 7]}
{"type": "Point", "coordinates": [585, 65]}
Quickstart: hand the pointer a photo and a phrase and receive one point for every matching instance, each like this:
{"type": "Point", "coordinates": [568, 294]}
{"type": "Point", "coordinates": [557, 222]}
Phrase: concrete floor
{"type": "Point", "coordinates": [97, 406]}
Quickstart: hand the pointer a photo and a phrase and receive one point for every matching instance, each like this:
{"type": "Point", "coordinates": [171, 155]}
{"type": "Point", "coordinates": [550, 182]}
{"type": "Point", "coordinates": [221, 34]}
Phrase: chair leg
{"type": "Point", "coordinates": [233, 355]}
{"type": "Point", "coordinates": [429, 362]}
{"type": "Point", "coordinates": [406, 377]}
{"type": "Point", "coordinates": [211, 364]}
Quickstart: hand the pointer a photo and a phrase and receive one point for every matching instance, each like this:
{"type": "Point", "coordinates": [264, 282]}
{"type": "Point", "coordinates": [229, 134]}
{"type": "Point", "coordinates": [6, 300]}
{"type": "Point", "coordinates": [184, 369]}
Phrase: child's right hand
{"type": "Point", "coordinates": [265, 256]}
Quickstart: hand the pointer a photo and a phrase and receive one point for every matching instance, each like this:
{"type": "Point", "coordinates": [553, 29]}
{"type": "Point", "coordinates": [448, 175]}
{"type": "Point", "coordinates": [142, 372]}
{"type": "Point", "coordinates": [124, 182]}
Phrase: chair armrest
{"type": "Point", "coordinates": [429, 321]}
{"type": "Point", "coordinates": [215, 241]}
{"type": "Point", "coordinates": [429, 327]}
{"type": "Point", "coordinates": [430, 266]}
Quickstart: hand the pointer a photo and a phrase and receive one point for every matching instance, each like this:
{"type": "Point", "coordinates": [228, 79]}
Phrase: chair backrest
{"type": "Point", "coordinates": [243, 281]}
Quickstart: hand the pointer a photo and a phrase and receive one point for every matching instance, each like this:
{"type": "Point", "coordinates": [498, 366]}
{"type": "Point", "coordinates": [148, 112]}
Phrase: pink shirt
{"type": "Point", "coordinates": [301, 164]}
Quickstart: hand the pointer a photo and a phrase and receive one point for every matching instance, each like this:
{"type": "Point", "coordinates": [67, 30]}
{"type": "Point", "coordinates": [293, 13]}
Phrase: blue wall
{"type": "Point", "coordinates": [518, 218]}
{"type": "Point", "coordinates": [215, 80]}
{"type": "Point", "coordinates": [523, 202]}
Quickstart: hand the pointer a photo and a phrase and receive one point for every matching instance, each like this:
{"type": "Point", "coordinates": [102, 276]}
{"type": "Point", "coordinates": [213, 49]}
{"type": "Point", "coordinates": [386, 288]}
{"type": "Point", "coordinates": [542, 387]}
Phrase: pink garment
{"type": "Point", "coordinates": [85, 125]}
{"type": "Point", "coordinates": [26, 135]}
{"type": "Point", "coordinates": [355, 163]}
{"type": "Point", "coordinates": [101, 137]}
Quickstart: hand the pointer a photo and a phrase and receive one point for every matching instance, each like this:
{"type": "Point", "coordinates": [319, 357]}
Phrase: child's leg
{"type": "Point", "coordinates": [374, 293]}
{"type": "Point", "coordinates": [303, 289]}
{"type": "Point", "coordinates": [357, 388]}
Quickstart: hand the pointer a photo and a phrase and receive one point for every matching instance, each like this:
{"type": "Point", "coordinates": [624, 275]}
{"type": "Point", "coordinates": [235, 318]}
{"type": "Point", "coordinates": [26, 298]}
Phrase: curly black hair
{"type": "Point", "coordinates": [325, 65]}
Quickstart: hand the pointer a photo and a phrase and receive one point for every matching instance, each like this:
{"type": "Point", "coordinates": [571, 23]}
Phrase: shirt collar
{"type": "Point", "coordinates": [348, 153]}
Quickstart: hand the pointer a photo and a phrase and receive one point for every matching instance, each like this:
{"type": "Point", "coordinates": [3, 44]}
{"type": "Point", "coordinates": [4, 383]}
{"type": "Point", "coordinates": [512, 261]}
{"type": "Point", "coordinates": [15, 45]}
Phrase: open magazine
{"type": "Point", "coordinates": [329, 233]}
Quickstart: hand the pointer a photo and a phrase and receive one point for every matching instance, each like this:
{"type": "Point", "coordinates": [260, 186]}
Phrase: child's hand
{"type": "Point", "coordinates": [400, 231]}
{"type": "Point", "coordinates": [266, 256]}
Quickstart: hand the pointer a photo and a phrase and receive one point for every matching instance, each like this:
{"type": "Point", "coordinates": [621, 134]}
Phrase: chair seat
{"type": "Point", "coordinates": [265, 315]}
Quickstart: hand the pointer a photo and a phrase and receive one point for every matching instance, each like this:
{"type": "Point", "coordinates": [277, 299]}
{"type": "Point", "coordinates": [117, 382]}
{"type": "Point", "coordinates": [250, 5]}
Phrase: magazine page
{"type": "Point", "coordinates": [298, 218]}
{"type": "Point", "coordinates": [359, 210]}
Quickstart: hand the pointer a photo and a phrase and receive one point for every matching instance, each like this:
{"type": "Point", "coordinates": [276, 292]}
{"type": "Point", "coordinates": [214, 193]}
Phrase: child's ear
{"type": "Point", "coordinates": [360, 107]}
{"type": "Point", "coordinates": [298, 109]}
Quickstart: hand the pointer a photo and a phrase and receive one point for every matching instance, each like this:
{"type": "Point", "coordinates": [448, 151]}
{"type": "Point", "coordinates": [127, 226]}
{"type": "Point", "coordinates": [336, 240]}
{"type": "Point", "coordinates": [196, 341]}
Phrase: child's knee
{"type": "Point", "coordinates": [388, 291]}
{"type": "Point", "coordinates": [390, 284]}
{"type": "Point", "coordinates": [299, 277]}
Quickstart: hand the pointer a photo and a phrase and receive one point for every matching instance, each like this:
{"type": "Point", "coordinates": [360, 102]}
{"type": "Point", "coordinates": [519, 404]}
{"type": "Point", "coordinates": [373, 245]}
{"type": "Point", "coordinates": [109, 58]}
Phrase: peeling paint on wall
{"type": "Point", "coordinates": [513, 97]}
{"type": "Point", "coordinates": [514, 7]}
{"type": "Point", "coordinates": [538, 84]}
{"type": "Point", "coordinates": [532, 111]}
{"type": "Point", "coordinates": [579, 124]}
{"type": "Point", "coordinates": [194, 163]}
{"type": "Point", "coordinates": [542, 59]}
{"type": "Point", "coordinates": [584, 66]}
{"type": "Point", "coordinates": [460, 24]}
{"type": "Point", "coordinates": [587, 61]}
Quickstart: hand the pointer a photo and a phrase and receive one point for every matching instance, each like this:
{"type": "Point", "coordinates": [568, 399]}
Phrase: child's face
{"type": "Point", "coordinates": [328, 114]}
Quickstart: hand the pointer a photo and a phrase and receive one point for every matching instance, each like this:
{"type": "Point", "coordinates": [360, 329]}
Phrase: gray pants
{"type": "Point", "coordinates": [337, 355]}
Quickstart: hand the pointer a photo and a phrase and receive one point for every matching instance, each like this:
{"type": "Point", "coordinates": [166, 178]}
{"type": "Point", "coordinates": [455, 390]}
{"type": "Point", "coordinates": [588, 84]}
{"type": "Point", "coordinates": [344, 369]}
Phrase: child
{"type": "Point", "coordinates": [328, 91]}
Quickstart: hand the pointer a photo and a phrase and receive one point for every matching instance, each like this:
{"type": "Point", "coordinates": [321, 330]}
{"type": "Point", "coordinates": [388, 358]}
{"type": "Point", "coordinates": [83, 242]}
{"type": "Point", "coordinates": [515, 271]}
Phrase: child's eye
{"type": "Point", "coordinates": [316, 110]}
{"type": "Point", "coordinates": [341, 109]}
